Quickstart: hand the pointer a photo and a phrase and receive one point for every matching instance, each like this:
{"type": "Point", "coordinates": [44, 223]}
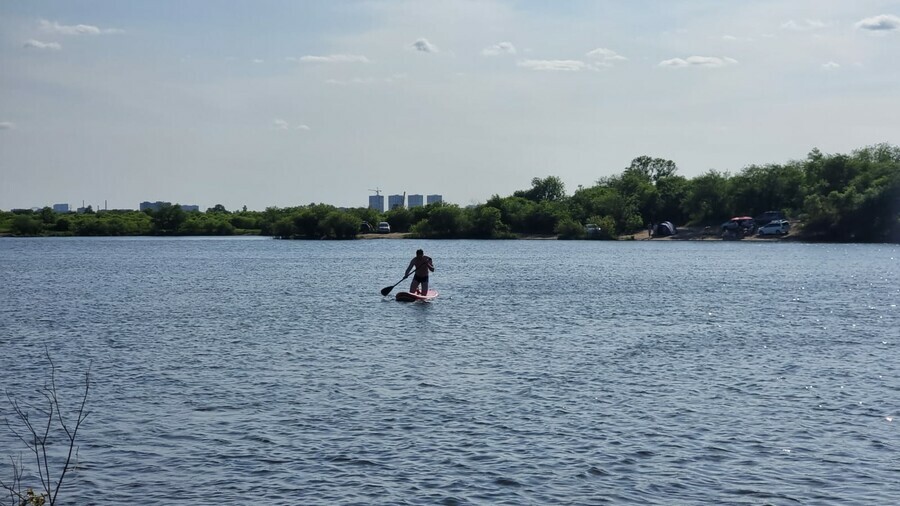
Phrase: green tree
{"type": "Point", "coordinates": [771, 188]}
{"type": "Point", "coordinates": [48, 216]}
{"type": "Point", "coordinates": [549, 188]}
{"type": "Point", "coordinates": [652, 169]}
{"type": "Point", "coordinates": [707, 198]}
{"type": "Point", "coordinates": [607, 226]}
{"type": "Point", "coordinates": [26, 225]}
{"type": "Point", "coordinates": [340, 225]}
{"type": "Point", "coordinates": [486, 223]}
{"type": "Point", "coordinates": [243, 221]}
{"type": "Point", "coordinates": [399, 218]}
{"type": "Point", "coordinates": [514, 211]}
{"type": "Point", "coordinates": [866, 208]}
{"type": "Point", "coordinates": [568, 228]}
{"type": "Point", "coordinates": [284, 228]}
{"type": "Point", "coordinates": [168, 219]}
{"type": "Point", "coordinates": [63, 225]}
{"type": "Point", "coordinates": [444, 221]}
{"type": "Point", "coordinates": [671, 193]}
{"type": "Point", "coordinates": [543, 217]}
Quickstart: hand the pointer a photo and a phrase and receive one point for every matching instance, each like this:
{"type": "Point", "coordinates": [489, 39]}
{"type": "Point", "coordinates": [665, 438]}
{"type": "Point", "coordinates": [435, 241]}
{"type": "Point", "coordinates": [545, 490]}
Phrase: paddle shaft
{"type": "Point", "coordinates": [386, 290]}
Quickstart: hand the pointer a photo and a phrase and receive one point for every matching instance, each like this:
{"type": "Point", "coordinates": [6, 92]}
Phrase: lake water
{"type": "Point", "coordinates": [249, 370]}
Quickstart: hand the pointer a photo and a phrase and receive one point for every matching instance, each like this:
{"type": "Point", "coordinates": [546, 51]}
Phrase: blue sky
{"type": "Point", "coordinates": [284, 103]}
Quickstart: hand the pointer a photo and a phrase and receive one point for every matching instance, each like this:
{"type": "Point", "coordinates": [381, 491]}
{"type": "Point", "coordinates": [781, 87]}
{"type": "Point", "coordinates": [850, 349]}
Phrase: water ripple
{"type": "Point", "coordinates": [224, 373]}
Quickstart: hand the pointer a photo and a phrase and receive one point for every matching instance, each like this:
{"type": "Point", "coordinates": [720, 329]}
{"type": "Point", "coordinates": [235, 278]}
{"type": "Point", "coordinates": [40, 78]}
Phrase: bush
{"type": "Point", "coordinates": [26, 225]}
{"type": "Point", "coordinates": [567, 228]}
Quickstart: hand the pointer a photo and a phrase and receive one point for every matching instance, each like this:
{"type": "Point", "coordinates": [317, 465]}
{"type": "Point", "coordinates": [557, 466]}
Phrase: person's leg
{"type": "Point", "coordinates": [413, 286]}
{"type": "Point", "coordinates": [424, 287]}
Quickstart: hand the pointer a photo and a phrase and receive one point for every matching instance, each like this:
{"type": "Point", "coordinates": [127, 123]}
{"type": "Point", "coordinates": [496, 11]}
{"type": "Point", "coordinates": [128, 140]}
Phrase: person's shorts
{"type": "Point", "coordinates": [420, 279]}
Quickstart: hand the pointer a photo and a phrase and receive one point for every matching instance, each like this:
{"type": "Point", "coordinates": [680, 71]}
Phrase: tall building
{"type": "Point", "coordinates": [376, 202]}
{"type": "Point", "coordinates": [60, 208]}
{"type": "Point", "coordinates": [154, 206]}
{"type": "Point", "coordinates": [395, 201]}
{"type": "Point", "coordinates": [414, 200]}
{"type": "Point", "coordinates": [434, 199]}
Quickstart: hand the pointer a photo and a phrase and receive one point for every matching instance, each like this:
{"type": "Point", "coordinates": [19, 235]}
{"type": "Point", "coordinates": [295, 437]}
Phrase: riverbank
{"type": "Point", "coordinates": [684, 234]}
{"type": "Point", "coordinates": [715, 234]}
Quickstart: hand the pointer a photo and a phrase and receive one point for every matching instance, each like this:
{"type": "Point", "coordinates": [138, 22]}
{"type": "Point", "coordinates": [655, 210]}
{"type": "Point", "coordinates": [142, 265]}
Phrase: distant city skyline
{"type": "Point", "coordinates": [272, 103]}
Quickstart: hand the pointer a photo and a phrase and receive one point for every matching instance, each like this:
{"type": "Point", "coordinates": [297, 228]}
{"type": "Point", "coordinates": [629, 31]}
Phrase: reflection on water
{"type": "Point", "coordinates": [546, 372]}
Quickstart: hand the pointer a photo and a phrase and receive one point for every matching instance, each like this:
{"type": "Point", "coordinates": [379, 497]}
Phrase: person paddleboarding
{"type": "Point", "coordinates": [421, 265]}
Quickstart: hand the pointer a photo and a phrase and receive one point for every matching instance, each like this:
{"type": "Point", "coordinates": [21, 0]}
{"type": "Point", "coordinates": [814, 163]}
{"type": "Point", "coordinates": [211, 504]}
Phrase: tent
{"type": "Point", "coordinates": [664, 229]}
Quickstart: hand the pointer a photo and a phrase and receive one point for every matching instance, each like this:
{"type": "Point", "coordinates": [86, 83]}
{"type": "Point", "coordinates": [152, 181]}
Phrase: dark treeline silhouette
{"type": "Point", "coordinates": [836, 197]}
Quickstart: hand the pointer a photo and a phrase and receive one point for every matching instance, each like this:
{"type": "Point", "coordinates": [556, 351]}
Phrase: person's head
{"type": "Point", "coordinates": [419, 253]}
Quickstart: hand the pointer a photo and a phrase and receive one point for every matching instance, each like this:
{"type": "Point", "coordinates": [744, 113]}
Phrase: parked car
{"type": "Point", "coordinates": [739, 223]}
{"type": "Point", "coordinates": [592, 230]}
{"type": "Point", "coordinates": [768, 217]}
{"type": "Point", "coordinates": [384, 227]}
{"type": "Point", "coordinates": [775, 227]}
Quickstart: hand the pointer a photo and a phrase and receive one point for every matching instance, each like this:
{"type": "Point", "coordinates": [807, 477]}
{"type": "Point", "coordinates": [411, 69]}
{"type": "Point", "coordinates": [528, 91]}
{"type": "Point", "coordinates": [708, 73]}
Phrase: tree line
{"type": "Point", "coordinates": [851, 197]}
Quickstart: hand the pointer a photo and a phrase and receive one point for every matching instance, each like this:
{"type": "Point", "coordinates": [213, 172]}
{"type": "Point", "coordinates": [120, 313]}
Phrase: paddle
{"type": "Point", "coordinates": [386, 290]}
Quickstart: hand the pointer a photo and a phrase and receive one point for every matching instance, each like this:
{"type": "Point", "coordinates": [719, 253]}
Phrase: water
{"type": "Point", "coordinates": [547, 372]}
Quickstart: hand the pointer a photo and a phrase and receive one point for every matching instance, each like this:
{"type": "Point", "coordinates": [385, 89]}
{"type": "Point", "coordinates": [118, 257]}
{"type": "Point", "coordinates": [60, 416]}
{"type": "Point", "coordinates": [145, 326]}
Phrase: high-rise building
{"type": "Point", "coordinates": [414, 200]}
{"type": "Point", "coordinates": [395, 201]}
{"type": "Point", "coordinates": [60, 208]}
{"type": "Point", "coordinates": [376, 202]}
{"type": "Point", "coordinates": [434, 199]}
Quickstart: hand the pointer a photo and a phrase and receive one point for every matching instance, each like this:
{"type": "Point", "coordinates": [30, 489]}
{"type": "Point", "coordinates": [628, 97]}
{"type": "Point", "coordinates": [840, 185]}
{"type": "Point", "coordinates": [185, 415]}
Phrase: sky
{"type": "Point", "coordinates": [283, 103]}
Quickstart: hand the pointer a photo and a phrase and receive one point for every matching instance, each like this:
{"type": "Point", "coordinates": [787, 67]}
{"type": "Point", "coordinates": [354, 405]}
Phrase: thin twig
{"type": "Point", "coordinates": [82, 415]}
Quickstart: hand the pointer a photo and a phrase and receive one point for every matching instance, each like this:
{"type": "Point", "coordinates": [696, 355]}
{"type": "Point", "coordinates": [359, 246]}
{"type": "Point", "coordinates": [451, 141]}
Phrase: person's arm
{"type": "Point", "coordinates": [409, 268]}
{"type": "Point", "coordinates": [430, 265]}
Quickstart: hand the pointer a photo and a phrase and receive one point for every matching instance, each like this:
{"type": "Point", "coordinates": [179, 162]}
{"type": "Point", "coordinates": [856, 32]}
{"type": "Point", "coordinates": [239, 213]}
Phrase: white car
{"type": "Point", "coordinates": [775, 227]}
{"type": "Point", "coordinates": [384, 227]}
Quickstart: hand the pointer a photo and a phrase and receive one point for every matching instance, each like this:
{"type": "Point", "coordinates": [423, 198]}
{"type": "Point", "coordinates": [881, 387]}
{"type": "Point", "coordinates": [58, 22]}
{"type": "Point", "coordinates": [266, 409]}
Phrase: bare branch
{"type": "Point", "coordinates": [37, 438]}
{"type": "Point", "coordinates": [78, 420]}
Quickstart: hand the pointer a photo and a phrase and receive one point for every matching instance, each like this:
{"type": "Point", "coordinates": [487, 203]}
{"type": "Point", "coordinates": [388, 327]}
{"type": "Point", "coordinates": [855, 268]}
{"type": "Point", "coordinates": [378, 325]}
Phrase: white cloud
{"type": "Point", "coordinates": [36, 44]}
{"type": "Point", "coordinates": [281, 124]}
{"type": "Point", "coordinates": [831, 66]}
{"type": "Point", "coordinates": [882, 23]}
{"type": "Point", "coordinates": [499, 48]}
{"type": "Point", "coordinates": [258, 60]}
{"type": "Point", "coordinates": [604, 57]}
{"type": "Point", "coordinates": [805, 25]}
{"type": "Point", "coordinates": [729, 37]}
{"type": "Point", "coordinates": [424, 46]}
{"type": "Point", "coordinates": [54, 27]}
{"type": "Point", "coordinates": [7, 125]}
{"type": "Point", "coordinates": [335, 58]}
{"type": "Point", "coordinates": [698, 61]}
{"type": "Point", "coordinates": [553, 65]}
{"type": "Point", "coordinates": [366, 80]}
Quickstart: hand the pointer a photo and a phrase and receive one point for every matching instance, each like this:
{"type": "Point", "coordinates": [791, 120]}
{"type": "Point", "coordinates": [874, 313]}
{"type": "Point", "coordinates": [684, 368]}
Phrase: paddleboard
{"type": "Point", "coordinates": [412, 297]}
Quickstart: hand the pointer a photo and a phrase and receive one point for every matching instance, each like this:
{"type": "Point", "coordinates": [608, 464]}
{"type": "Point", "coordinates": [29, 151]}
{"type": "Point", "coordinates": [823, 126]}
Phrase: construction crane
{"type": "Point", "coordinates": [377, 191]}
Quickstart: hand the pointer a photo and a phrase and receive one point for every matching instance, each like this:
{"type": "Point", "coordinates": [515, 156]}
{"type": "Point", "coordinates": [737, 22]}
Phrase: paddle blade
{"type": "Point", "coordinates": [386, 290]}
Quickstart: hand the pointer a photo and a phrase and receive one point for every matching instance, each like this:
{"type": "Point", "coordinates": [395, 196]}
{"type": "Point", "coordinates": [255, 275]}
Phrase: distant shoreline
{"type": "Point", "coordinates": [688, 233]}
{"type": "Point", "coordinates": [684, 234]}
